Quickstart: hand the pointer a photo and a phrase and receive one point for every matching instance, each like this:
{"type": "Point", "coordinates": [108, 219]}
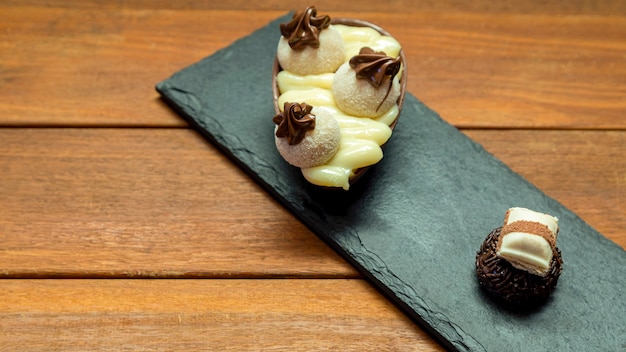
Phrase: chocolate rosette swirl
{"type": "Point", "coordinates": [376, 67]}
{"type": "Point", "coordinates": [304, 29]}
{"type": "Point", "coordinates": [306, 138]}
{"type": "Point", "coordinates": [294, 122]}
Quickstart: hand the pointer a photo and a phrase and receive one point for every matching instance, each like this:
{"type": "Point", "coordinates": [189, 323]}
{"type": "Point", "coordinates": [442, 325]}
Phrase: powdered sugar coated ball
{"type": "Point", "coordinates": [318, 146]}
{"type": "Point", "coordinates": [358, 97]}
{"type": "Point", "coordinates": [313, 61]}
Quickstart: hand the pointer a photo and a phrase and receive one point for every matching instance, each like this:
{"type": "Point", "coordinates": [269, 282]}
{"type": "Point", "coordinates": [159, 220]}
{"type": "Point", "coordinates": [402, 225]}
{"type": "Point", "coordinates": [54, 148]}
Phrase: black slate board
{"type": "Point", "coordinates": [414, 222]}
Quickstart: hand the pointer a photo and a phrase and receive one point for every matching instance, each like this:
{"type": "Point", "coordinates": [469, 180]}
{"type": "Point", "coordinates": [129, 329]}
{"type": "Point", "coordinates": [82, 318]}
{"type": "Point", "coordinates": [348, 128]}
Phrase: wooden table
{"type": "Point", "coordinates": [177, 249]}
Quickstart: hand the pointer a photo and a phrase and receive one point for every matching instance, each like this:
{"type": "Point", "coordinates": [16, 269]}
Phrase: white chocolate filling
{"type": "Point", "coordinates": [528, 250]}
{"type": "Point", "coordinates": [517, 214]}
{"type": "Point", "coordinates": [361, 137]}
{"type": "Point", "coordinates": [357, 37]}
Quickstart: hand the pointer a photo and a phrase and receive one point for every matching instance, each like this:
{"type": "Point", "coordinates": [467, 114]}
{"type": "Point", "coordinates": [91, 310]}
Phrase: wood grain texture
{"type": "Point", "coordinates": [107, 182]}
{"type": "Point", "coordinates": [586, 7]}
{"type": "Point", "coordinates": [164, 203]}
{"type": "Point", "coordinates": [193, 315]}
{"type": "Point", "coordinates": [99, 68]}
{"type": "Point", "coordinates": [133, 202]}
{"type": "Point", "coordinates": [583, 170]}
{"type": "Point", "coordinates": [93, 65]}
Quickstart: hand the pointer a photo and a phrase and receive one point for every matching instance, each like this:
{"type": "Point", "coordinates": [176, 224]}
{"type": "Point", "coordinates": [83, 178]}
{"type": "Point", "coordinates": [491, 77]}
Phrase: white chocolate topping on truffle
{"type": "Point", "coordinates": [528, 240]}
{"type": "Point", "coordinates": [517, 214]}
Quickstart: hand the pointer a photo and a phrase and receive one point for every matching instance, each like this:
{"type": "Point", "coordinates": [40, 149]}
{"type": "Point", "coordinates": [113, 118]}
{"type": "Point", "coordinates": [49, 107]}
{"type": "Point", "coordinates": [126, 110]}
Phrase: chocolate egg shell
{"type": "Point", "coordinates": [403, 79]}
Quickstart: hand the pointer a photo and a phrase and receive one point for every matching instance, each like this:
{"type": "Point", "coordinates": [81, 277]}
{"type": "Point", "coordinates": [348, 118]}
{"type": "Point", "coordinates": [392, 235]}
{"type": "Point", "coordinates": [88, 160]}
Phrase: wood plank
{"type": "Point", "coordinates": [133, 202]}
{"type": "Point", "coordinates": [164, 203]}
{"type": "Point", "coordinates": [493, 72]}
{"type": "Point", "coordinates": [92, 67]}
{"type": "Point", "coordinates": [584, 170]}
{"type": "Point", "coordinates": [97, 66]}
{"type": "Point", "coordinates": [190, 315]}
{"type": "Point", "coordinates": [597, 7]}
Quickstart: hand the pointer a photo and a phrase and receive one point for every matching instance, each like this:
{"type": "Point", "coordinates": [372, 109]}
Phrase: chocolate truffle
{"type": "Point", "coordinates": [309, 45]}
{"type": "Point", "coordinates": [306, 137]}
{"type": "Point", "coordinates": [519, 262]}
{"type": "Point", "coordinates": [367, 85]}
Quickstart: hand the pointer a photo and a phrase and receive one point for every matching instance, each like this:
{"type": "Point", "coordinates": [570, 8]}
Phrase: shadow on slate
{"type": "Point", "coordinates": [414, 222]}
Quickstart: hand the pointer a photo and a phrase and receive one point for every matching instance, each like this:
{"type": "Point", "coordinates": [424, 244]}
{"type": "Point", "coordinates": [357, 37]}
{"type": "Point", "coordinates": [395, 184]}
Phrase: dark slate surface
{"type": "Point", "coordinates": [413, 224]}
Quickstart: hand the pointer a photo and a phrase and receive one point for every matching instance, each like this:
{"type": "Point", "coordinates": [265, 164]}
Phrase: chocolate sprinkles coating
{"type": "Point", "coordinates": [510, 284]}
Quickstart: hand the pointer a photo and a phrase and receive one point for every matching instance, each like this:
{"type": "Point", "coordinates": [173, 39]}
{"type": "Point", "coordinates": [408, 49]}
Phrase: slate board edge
{"type": "Point", "coordinates": [456, 341]}
{"type": "Point", "coordinates": [453, 342]}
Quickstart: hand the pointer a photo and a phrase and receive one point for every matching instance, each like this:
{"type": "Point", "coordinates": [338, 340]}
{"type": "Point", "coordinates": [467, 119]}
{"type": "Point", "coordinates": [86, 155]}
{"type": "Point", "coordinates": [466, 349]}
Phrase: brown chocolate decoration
{"type": "Point", "coordinates": [376, 67]}
{"type": "Point", "coordinates": [510, 284]}
{"type": "Point", "coordinates": [293, 123]}
{"type": "Point", "coordinates": [304, 29]}
{"type": "Point", "coordinates": [530, 227]}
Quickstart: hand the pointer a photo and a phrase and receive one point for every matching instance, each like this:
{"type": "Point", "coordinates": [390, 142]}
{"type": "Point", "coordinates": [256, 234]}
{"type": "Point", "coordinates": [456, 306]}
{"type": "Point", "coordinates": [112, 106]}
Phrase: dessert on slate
{"type": "Point", "coordinates": [338, 91]}
{"type": "Point", "coordinates": [519, 262]}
